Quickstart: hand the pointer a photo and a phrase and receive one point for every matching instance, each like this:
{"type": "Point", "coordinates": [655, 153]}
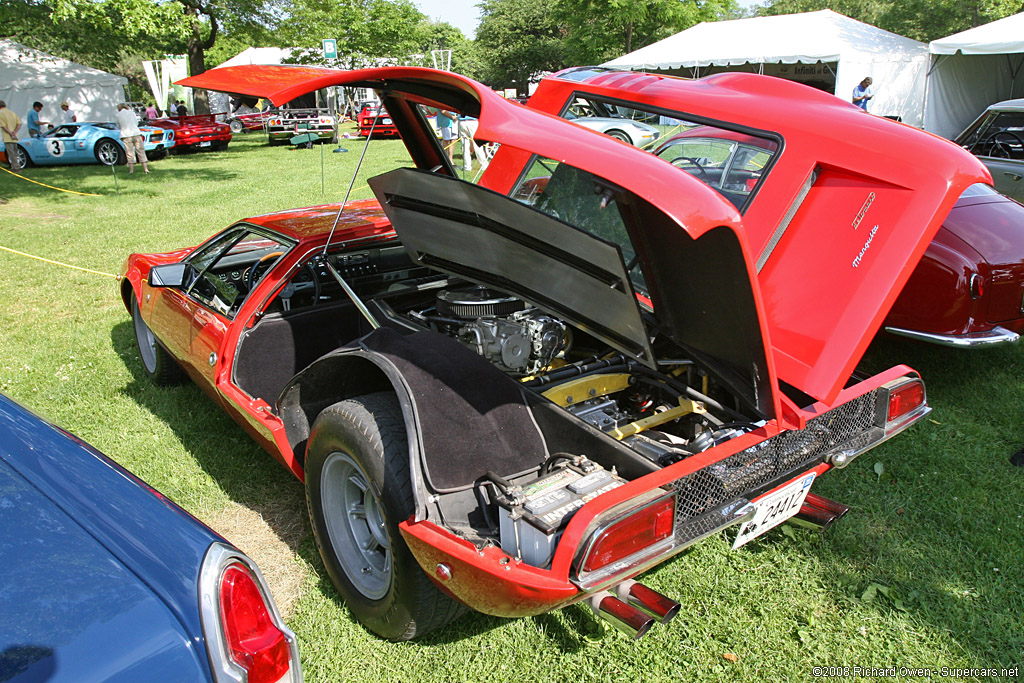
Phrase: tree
{"type": "Point", "coordinates": [518, 40]}
{"type": "Point", "coordinates": [923, 20]}
{"type": "Point", "coordinates": [191, 25]}
{"type": "Point", "coordinates": [599, 30]}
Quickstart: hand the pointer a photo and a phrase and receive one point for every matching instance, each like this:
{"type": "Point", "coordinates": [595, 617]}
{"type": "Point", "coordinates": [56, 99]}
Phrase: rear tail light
{"type": "Point", "coordinates": [245, 636]}
{"type": "Point", "coordinates": [977, 286]}
{"type": "Point", "coordinates": [630, 534]}
{"type": "Point", "coordinates": [905, 399]}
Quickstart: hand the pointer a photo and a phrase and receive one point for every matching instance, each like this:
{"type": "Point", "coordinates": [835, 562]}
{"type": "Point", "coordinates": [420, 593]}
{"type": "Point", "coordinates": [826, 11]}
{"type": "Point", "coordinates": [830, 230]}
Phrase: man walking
{"type": "Point", "coordinates": [9, 126]}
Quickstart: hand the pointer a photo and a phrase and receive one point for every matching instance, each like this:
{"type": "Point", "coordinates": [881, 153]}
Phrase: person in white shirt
{"type": "Point", "coordinates": [66, 115]}
{"type": "Point", "coordinates": [132, 137]}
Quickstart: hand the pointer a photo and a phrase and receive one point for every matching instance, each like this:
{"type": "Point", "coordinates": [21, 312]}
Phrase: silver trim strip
{"type": "Point", "coordinates": [996, 336]}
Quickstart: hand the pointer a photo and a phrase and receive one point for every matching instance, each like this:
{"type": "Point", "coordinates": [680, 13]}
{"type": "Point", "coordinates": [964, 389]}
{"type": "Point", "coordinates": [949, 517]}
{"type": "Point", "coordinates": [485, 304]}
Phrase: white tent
{"type": "Point", "coordinates": [824, 49]}
{"type": "Point", "coordinates": [971, 70]}
{"type": "Point", "coordinates": [28, 75]}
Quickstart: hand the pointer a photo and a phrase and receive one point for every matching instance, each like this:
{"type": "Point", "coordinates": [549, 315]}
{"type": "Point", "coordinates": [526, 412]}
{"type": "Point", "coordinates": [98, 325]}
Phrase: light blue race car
{"type": "Point", "coordinates": [89, 143]}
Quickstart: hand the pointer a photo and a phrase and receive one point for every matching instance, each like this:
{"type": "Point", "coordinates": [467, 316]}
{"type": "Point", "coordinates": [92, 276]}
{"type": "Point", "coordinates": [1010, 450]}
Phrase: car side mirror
{"type": "Point", "coordinates": [168, 275]}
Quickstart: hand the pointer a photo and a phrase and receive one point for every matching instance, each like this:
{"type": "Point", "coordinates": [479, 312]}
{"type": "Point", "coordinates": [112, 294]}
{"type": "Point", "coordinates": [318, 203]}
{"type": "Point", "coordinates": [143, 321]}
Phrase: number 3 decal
{"type": "Point", "coordinates": [55, 148]}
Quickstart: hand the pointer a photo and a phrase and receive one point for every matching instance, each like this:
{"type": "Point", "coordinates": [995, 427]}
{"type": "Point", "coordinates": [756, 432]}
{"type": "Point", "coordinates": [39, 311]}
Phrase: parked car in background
{"type": "Point", "coordinates": [196, 132]}
{"type": "Point", "coordinates": [89, 143]}
{"type": "Point", "coordinates": [997, 138]}
{"type": "Point", "coordinates": [244, 123]}
{"type": "Point", "coordinates": [286, 123]}
{"type": "Point", "coordinates": [104, 579]}
{"type": "Point", "coordinates": [374, 117]}
{"type": "Point", "coordinates": [968, 289]}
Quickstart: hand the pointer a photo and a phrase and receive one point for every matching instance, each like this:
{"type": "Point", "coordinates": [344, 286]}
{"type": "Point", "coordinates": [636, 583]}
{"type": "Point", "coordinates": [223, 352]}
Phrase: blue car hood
{"type": "Point", "coordinates": [72, 604]}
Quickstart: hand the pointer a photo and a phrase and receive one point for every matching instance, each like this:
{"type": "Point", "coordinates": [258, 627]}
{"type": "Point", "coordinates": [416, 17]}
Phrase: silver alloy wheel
{"type": "Point", "coordinates": [355, 525]}
{"type": "Point", "coordinates": [22, 156]}
{"type": "Point", "coordinates": [145, 339]}
{"type": "Point", "coordinates": [236, 126]}
{"type": "Point", "coordinates": [107, 152]}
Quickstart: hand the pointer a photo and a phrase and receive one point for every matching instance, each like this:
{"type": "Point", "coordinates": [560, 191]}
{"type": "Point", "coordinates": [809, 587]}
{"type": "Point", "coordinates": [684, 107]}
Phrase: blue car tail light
{"type": "Point", "coordinates": [246, 639]}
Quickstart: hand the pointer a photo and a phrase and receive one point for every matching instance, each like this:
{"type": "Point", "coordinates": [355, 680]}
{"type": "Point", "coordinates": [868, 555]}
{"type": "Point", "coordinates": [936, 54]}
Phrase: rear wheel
{"type": "Point", "coordinates": [109, 153]}
{"type": "Point", "coordinates": [236, 126]}
{"type": "Point", "coordinates": [358, 489]}
{"type": "Point", "coordinates": [157, 363]}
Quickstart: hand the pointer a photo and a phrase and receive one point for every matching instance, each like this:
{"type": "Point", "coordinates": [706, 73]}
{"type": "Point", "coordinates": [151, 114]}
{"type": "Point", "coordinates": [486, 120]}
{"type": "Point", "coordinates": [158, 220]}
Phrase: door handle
{"type": "Point", "coordinates": [1014, 176]}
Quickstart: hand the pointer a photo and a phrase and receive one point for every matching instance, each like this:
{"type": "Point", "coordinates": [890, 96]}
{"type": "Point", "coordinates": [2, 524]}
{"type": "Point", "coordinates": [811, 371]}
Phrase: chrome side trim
{"type": "Point", "coordinates": [997, 335]}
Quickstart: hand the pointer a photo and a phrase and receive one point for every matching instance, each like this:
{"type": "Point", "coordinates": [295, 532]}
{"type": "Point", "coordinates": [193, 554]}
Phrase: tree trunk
{"type": "Point", "coordinates": [196, 66]}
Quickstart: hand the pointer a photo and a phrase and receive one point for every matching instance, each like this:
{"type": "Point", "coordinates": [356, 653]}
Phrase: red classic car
{"type": "Point", "coordinates": [196, 131]}
{"type": "Point", "coordinates": [521, 394]}
{"type": "Point", "coordinates": [968, 289]}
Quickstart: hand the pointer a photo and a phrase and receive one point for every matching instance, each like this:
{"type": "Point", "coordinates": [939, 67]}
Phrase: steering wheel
{"type": "Point", "coordinates": [1001, 145]}
{"type": "Point", "coordinates": [701, 172]}
{"type": "Point", "coordinates": [296, 286]}
{"type": "Point", "coordinates": [256, 270]}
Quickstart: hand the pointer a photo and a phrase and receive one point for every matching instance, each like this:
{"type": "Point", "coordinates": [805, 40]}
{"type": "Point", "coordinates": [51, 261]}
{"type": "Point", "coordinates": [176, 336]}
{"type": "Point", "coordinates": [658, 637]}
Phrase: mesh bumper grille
{"type": "Point", "coordinates": [853, 424]}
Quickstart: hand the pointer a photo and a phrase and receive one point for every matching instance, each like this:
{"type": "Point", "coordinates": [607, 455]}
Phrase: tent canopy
{"type": "Point", "coordinates": [28, 75]}
{"type": "Point", "coordinates": [971, 70]}
{"type": "Point", "coordinates": [848, 49]}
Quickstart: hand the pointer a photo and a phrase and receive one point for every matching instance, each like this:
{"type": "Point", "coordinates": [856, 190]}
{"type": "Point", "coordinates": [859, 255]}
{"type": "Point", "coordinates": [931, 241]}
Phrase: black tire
{"type": "Point", "coordinates": [272, 142]}
{"type": "Point", "coordinates": [357, 458]}
{"type": "Point", "coordinates": [619, 135]}
{"type": "Point", "coordinates": [156, 154]}
{"type": "Point", "coordinates": [109, 153]}
{"type": "Point", "coordinates": [236, 126]}
{"type": "Point", "coordinates": [220, 146]}
{"type": "Point", "coordinates": [157, 363]}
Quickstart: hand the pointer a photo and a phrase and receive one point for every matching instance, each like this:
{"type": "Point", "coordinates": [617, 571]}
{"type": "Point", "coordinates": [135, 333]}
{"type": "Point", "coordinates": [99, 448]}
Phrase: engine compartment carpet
{"type": "Point", "coordinates": [472, 416]}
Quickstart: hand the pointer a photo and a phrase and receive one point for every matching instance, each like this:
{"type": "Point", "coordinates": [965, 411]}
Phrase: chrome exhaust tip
{"type": "Point", "coordinates": [818, 513]}
{"type": "Point", "coordinates": [625, 618]}
{"type": "Point", "coordinates": [661, 607]}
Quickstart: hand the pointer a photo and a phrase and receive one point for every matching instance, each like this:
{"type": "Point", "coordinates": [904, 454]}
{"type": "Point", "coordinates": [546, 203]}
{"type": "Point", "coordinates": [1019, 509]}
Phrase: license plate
{"type": "Point", "coordinates": [205, 143]}
{"type": "Point", "coordinates": [775, 508]}
{"type": "Point", "coordinates": [386, 122]}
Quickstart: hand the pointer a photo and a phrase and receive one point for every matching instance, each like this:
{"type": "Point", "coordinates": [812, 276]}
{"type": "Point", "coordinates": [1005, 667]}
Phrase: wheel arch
{"type": "Point", "coordinates": [344, 374]}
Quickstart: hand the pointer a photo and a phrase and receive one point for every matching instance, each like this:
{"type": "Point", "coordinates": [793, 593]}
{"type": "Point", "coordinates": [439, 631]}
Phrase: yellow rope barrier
{"type": "Point", "coordinates": [58, 263]}
{"type": "Point", "coordinates": [59, 189]}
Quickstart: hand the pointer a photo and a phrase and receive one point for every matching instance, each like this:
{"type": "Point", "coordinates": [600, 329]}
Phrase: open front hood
{"type": "Point", "coordinates": [813, 287]}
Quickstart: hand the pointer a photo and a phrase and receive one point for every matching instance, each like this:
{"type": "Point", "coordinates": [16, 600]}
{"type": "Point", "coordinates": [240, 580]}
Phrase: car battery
{"type": "Point", "coordinates": [531, 523]}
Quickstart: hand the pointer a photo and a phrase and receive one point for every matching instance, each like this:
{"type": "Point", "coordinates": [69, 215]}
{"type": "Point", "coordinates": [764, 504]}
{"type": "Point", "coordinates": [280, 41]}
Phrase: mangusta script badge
{"type": "Point", "coordinates": [867, 245]}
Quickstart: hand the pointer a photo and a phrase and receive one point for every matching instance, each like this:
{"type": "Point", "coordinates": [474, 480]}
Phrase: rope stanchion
{"type": "Point", "coordinates": [58, 263]}
{"type": "Point", "coordinates": [51, 187]}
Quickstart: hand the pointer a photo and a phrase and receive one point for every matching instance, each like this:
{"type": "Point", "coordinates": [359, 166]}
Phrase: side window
{"type": "Point", "coordinates": [1004, 138]}
{"type": "Point", "coordinates": [227, 270]}
{"type": "Point", "coordinates": [732, 162]}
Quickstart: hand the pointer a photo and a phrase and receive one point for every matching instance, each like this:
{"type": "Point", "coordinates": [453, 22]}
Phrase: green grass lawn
{"type": "Point", "coordinates": [926, 570]}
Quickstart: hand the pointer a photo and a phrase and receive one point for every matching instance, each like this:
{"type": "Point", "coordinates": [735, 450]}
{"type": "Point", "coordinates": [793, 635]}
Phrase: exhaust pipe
{"type": "Point", "coordinates": [648, 600]}
{"type": "Point", "coordinates": [818, 512]}
{"type": "Point", "coordinates": [625, 618]}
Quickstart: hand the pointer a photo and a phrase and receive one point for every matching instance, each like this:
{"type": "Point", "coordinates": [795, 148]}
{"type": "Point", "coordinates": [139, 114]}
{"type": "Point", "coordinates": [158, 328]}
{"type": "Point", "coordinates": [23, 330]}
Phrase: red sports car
{"type": "Point", "coordinates": [375, 118]}
{"type": "Point", "coordinates": [523, 393]}
{"type": "Point", "coordinates": [968, 289]}
{"type": "Point", "coordinates": [196, 131]}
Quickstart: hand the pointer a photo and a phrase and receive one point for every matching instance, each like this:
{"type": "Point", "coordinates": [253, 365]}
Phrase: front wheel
{"type": "Point", "coordinates": [157, 363]}
{"type": "Point", "coordinates": [236, 126]}
{"type": "Point", "coordinates": [619, 135]}
{"type": "Point", "coordinates": [358, 489]}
